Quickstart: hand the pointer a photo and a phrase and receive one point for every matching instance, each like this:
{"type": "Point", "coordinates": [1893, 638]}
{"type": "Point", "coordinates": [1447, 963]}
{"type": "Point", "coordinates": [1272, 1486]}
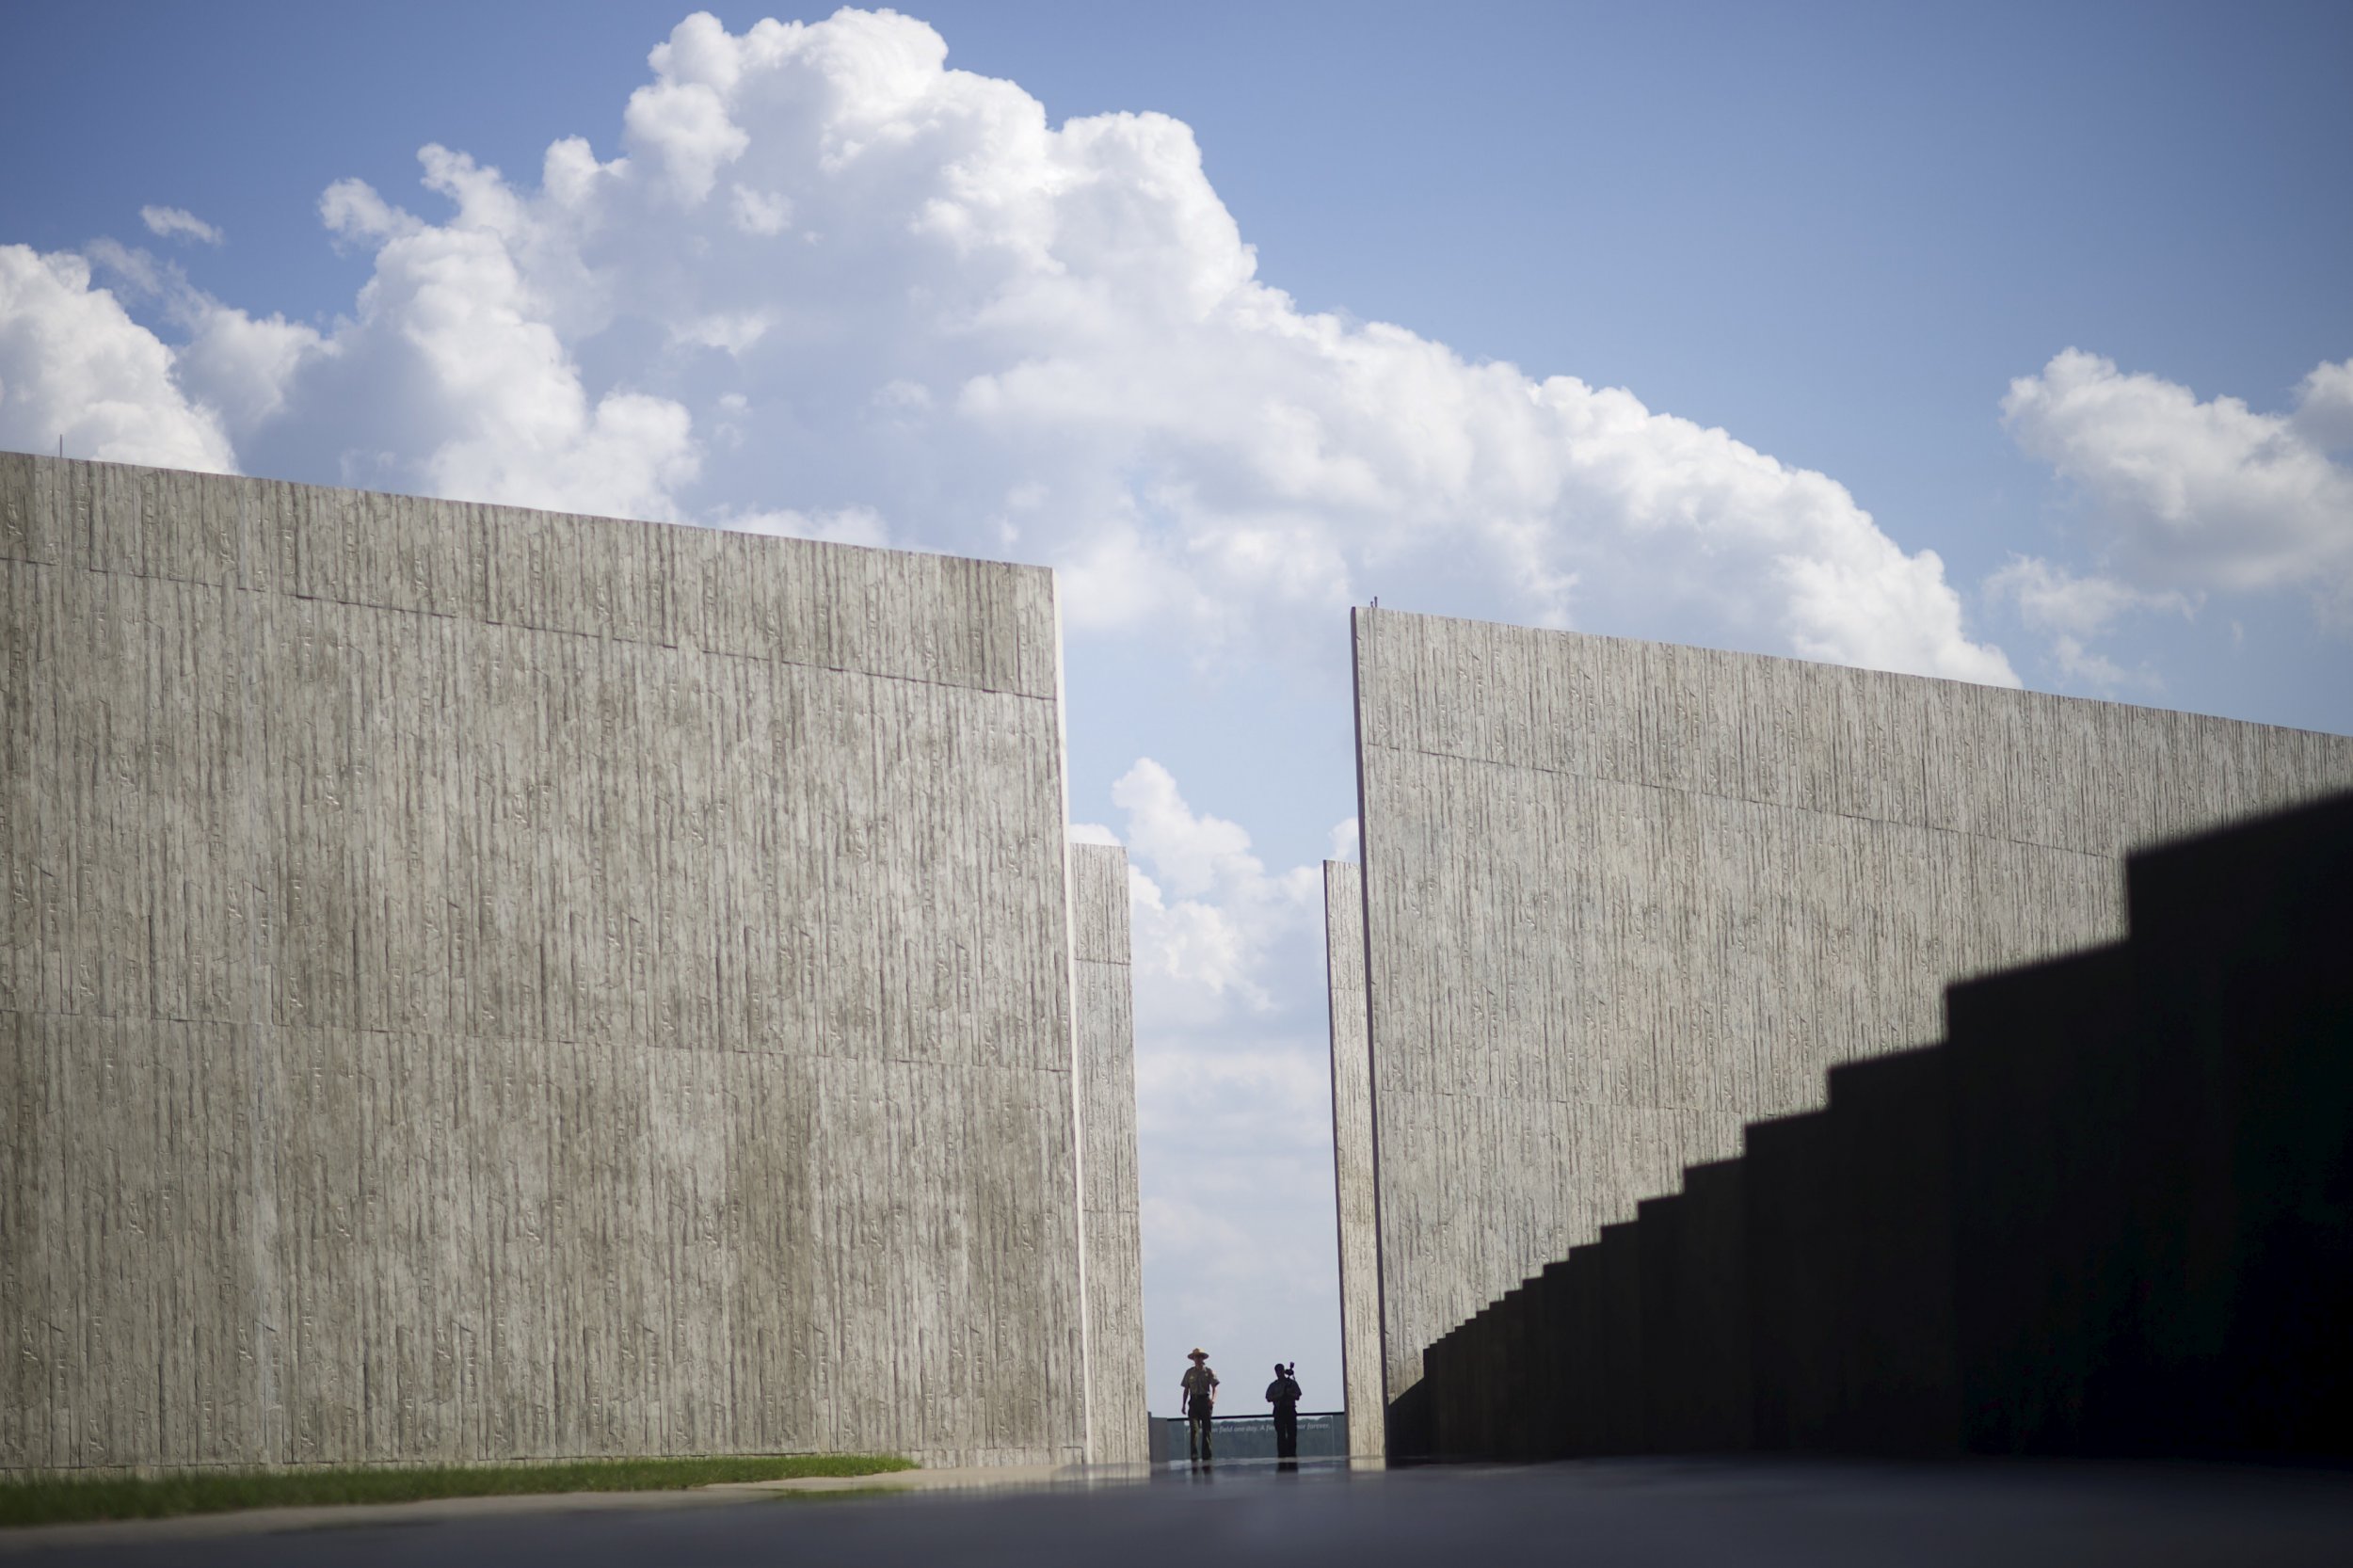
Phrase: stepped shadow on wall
{"type": "Point", "coordinates": [2111, 1213]}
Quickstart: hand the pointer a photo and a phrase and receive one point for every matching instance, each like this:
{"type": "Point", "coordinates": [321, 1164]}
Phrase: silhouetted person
{"type": "Point", "coordinates": [1283, 1394]}
{"type": "Point", "coordinates": [1200, 1386]}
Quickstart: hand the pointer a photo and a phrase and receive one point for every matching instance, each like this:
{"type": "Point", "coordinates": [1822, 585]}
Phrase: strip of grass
{"type": "Point", "coordinates": [49, 1501]}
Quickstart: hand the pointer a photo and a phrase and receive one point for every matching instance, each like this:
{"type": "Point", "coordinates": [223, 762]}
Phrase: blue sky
{"type": "Point", "coordinates": [1818, 244]}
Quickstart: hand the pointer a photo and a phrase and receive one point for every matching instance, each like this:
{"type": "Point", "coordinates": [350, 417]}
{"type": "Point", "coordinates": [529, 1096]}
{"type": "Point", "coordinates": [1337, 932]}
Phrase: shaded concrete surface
{"type": "Point", "coordinates": [1622, 899]}
{"type": "Point", "coordinates": [2111, 1216]}
{"type": "Point", "coordinates": [1595, 1514]}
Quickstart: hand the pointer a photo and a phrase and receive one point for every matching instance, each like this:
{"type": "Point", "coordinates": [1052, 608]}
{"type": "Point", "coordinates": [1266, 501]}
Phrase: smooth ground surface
{"type": "Point", "coordinates": [1645, 1511]}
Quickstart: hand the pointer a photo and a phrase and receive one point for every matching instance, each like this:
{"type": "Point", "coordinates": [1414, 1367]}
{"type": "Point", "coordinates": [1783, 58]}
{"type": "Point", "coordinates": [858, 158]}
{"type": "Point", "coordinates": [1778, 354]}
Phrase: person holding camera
{"type": "Point", "coordinates": [1284, 1395]}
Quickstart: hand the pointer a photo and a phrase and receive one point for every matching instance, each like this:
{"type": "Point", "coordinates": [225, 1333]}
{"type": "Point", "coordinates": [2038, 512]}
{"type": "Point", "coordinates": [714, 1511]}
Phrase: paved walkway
{"type": "Point", "coordinates": [279, 1521]}
{"type": "Point", "coordinates": [1595, 1514]}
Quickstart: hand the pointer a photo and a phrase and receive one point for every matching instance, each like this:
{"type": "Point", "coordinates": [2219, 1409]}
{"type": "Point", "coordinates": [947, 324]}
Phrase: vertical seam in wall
{"type": "Point", "coordinates": [1359, 623]}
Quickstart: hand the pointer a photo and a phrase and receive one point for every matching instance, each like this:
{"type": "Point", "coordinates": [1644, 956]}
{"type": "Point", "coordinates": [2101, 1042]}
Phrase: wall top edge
{"type": "Point", "coordinates": [1021, 568]}
{"type": "Point", "coordinates": [940, 619]}
{"type": "Point", "coordinates": [1365, 620]}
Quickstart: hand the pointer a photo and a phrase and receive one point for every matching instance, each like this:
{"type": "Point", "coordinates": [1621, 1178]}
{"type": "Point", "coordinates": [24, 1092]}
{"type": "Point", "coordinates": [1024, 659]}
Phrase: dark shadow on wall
{"type": "Point", "coordinates": [2111, 1213]}
{"type": "Point", "coordinates": [1408, 1431]}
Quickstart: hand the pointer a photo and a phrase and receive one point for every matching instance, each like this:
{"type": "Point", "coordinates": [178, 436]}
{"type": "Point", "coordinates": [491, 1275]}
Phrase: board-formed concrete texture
{"type": "Point", "coordinates": [1351, 1157]}
{"type": "Point", "coordinates": [1119, 1429]}
{"type": "Point", "coordinates": [1621, 898]}
{"type": "Point", "coordinates": [481, 984]}
{"type": "Point", "coordinates": [2104, 1217]}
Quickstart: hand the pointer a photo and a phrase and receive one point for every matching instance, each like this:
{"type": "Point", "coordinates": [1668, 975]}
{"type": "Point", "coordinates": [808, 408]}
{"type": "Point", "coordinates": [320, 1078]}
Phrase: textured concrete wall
{"type": "Point", "coordinates": [2105, 1217]}
{"type": "Point", "coordinates": [484, 983]}
{"type": "Point", "coordinates": [1622, 897]}
{"type": "Point", "coordinates": [1351, 1157]}
{"type": "Point", "coordinates": [1118, 1425]}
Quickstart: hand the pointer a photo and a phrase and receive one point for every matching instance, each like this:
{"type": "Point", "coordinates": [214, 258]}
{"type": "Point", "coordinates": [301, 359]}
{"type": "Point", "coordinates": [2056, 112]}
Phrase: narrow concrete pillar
{"type": "Point", "coordinates": [1117, 1416]}
{"type": "Point", "coordinates": [1353, 1160]}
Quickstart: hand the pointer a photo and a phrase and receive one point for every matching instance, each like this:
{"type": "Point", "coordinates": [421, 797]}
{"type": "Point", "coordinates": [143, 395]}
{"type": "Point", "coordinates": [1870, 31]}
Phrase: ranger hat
{"type": "Point", "coordinates": [1198, 1354]}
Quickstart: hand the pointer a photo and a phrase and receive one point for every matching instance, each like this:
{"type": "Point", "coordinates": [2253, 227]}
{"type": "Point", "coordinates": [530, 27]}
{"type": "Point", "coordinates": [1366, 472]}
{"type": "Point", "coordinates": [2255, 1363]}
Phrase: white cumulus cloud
{"type": "Point", "coordinates": [1207, 910]}
{"type": "Point", "coordinates": [178, 223]}
{"type": "Point", "coordinates": [243, 366]}
{"type": "Point", "coordinates": [2324, 407]}
{"type": "Point", "coordinates": [2190, 495]}
{"type": "Point", "coordinates": [1347, 840]}
{"type": "Point", "coordinates": [828, 276]}
{"type": "Point", "coordinates": [461, 360]}
{"type": "Point", "coordinates": [2072, 611]}
{"type": "Point", "coordinates": [1233, 1086]}
{"type": "Point", "coordinates": [74, 364]}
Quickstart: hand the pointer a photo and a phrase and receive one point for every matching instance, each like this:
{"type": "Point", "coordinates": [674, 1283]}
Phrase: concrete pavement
{"type": "Point", "coordinates": [1598, 1514]}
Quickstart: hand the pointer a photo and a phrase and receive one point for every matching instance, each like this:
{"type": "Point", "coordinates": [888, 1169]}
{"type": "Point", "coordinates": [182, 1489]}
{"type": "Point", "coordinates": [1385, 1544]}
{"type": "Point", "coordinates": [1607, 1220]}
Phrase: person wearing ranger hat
{"type": "Point", "coordinates": [1200, 1398]}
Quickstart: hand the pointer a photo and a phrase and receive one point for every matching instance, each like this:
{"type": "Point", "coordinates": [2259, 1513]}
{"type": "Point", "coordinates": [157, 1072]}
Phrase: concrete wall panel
{"type": "Point", "coordinates": [482, 984]}
{"type": "Point", "coordinates": [1352, 1156]}
{"type": "Point", "coordinates": [1119, 1429]}
{"type": "Point", "coordinates": [1623, 898]}
{"type": "Point", "coordinates": [2101, 1218]}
